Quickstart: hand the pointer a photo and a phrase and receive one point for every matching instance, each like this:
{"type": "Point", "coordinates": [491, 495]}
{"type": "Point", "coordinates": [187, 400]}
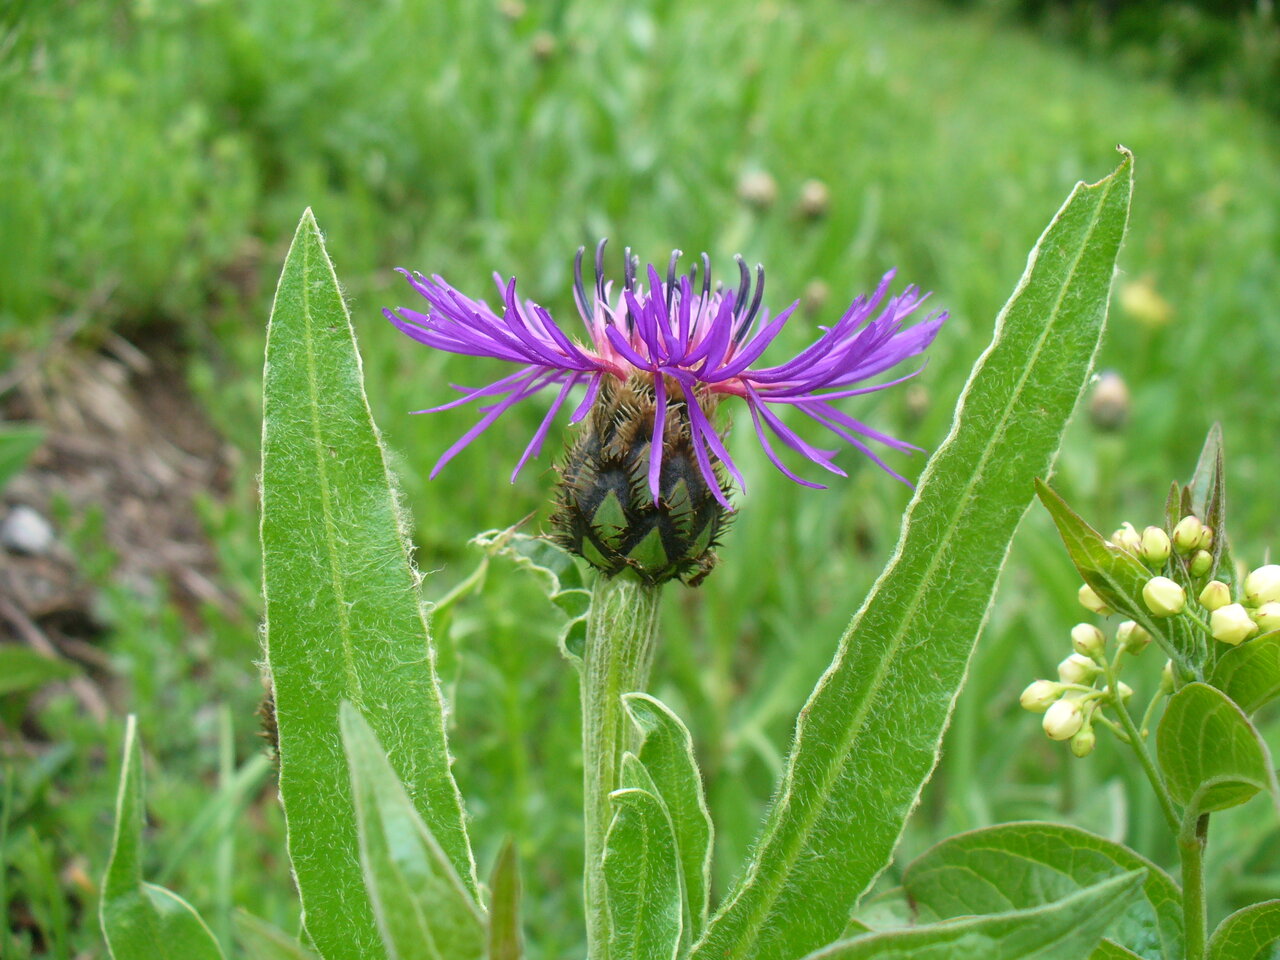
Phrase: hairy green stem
{"type": "Point", "coordinates": [1140, 748]}
{"type": "Point", "coordinates": [1195, 918]}
{"type": "Point", "coordinates": [619, 651]}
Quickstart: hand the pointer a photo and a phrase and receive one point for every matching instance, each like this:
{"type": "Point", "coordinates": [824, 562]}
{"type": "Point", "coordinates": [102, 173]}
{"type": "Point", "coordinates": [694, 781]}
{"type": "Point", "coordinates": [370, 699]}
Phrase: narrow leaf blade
{"type": "Point", "coordinates": [18, 441]}
{"type": "Point", "coordinates": [262, 941]}
{"type": "Point", "coordinates": [1248, 934]}
{"type": "Point", "coordinates": [505, 941]}
{"type": "Point", "coordinates": [343, 614]}
{"type": "Point", "coordinates": [869, 736]}
{"type": "Point", "coordinates": [642, 879]}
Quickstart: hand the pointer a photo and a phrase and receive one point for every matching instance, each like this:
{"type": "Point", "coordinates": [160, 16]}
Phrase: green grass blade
{"type": "Point", "coordinates": [18, 441]}
{"type": "Point", "coordinates": [505, 939]}
{"type": "Point", "coordinates": [1067, 929]}
{"type": "Point", "coordinates": [343, 614]}
{"type": "Point", "coordinates": [642, 876]}
{"type": "Point", "coordinates": [1248, 934]}
{"type": "Point", "coordinates": [423, 909]}
{"type": "Point", "coordinates": [869, 736]}
{"type": "Point", "coordinates": [261, 941]}
{"type": "Point", "coordinates": [140, 920]}
{"type": "Point", "coordinates": [22, 668]}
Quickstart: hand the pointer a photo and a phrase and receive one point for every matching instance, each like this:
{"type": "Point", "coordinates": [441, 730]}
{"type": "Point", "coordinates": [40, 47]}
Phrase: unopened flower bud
{"type": "Point", "coordinates": [1077, 668]}
{"type": "Point", "coordinates": [1206, 538]}
{"type": "Point", "coordinates": [758, 189]}
{"type": "Point", "coordinates": [1088, 640]}
{"type": "Point", "coordinates": [1091, 601]}
{"type": "Point", "coordinates": [1063, 720]}
{"type": "Point", "coordinates": [1166, 677]}
{"type": "Point", "coordinates": [1231, 624]}
{"type": "Point", "coordinates": [1039, 695]}
{"type": "Point", "coordinates": [1127, 538]}
{"type": "Point", "coordinates": [1126, 691]}
{"type": "Point", "coordinates": [1267, 616]}
{"type": "Point", "coordinates": [1163, 597]}
{"type": "Point", "coordinates": [1262, 585]}
{"type": "Point", "coordinates": [1082, 743]}
{"type": "Point", "coordinates": [1155, 545]}
{"type": "Point", "coordinates": [1109, 402]}
{"type": "Point", "coordinates": [1132, 636]}
{"type": "Point", "coordinates": [1214, 595]}
{"type": "Point", "coordinates": [815, 199]}
{"type": "Point", "coordinates": [1186, 535]}
{"type": "Point", "coordinates": [1201, 563]}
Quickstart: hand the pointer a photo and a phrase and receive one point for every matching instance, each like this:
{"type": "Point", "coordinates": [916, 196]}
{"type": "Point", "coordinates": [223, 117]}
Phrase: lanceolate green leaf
{"type": "Point", "coordinates": [18, 441]}
{"type": "Point", "coordinates": [667, 753]}
{"type": "Point", "coordinates": [1248, 934]}
{"type": "Point", "coordinates": [1066, 929]}
{"type": "Point", "coordinates": [1211, 755]}
{"type": "Point", "coordinates": [423, 909]}
{"type": "Point", "coordinates": [22, 668]}
{"type": "Point", "coordinates": [1018, 866]}
{"type": "Point", "coordinates": [1250, 673]}
{"type": "Point", "coordinates": [642, 877]}
{"type": "Point", "coordinates": [868, 737]}
{"type": "Point", "coordinates": [140, 920]}
{"type": "Point", "coordinates": [505, 940]}
{"type": "Point", "coordinates": [343, 614]}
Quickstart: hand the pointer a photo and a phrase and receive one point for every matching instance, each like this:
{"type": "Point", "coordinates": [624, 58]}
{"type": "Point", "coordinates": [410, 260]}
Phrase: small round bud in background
{"type": "Point", "coordinates": [1082, 743]}
{"type": "Point", "coordinates": [1231, 624]}
{"type": "Point", "coordinates": [1166, 677]}
{"type": "Point", "coordinates": [1267, 616]}
{"type": "Point", "coordinates": [758, 190]}
{"type": "Point", "coordinates": [1262, 585]}
{"type": "Point", "coordinates": [1214, 595]}
{"type": "Point", "coordinates": [1091, 601]}
{"type": "Point", "coordinates": [1201, 563]}
{"type": "Point", "coordinates": [1155, 546]}
{"type": "Point", "coordinates": [544, 45]}
{"type": "Point", "coordinates": [1163, 597]}
{"type": "Point", "coordinates": [1132, 636]}
{"type": "Point", "coordinates": [1087, 640]}
{"type": "Point", "coordinates": [1063, 720]}
{"type": "Point", "coordinates": [1127, 538]}
{"type": "Point", "coordinates": [815, 296]}
{"type": "Point", "coordinates": [512, 9]}
{"type": "Point", "coordinates": [815, 200]}
{"type": "Point", "coordinates": [917, 401]}
{"type": "Point", "coordinates": [1077, 668]}
{"type": "Point", "coordinates": [1109, 403]}
{"type": "Point", "coordinates": [1140, 300]}
{"type": "Point", "coordinates": [1039, 695]}
{"type": "Point", "coordinates": [1186, 535]}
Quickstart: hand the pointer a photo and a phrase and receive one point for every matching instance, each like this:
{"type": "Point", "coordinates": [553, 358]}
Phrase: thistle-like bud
{"type": "Point", "coordinates": [1262, 585]}
{"type": "Point", "coordinates": [1127, 538]}
{"type": "Point", "coordinates": [1201, 563]}
{"type": "Point", "coordinates": [1063, 720]}
{"type": "Point", "coordinates": [1267, 616]}
{"type": "Point", "coordinates": [1187, 534]}
{"type": "Point", "coordinates": [606, 512]}
{"type": "Point", "coordinates": [1077, 668]}
{"type": "Point", "coordinates": [1039, 695]}
{"type": "Point", "coordinates": [1091, 601]}
{"type": "Point", "coordinates": [1214, 595]}
{"type": "Point", "coordinates": [1163, 597]}
{"type": "Point", "coordinates": [1133, 637]}
{"type": "Point", "coordinates": [1155, 546]}
{"type": "Point", "coordinates": [1086, 639]}
{"type": "Point", "coordinates": [1083, 742]}
{"type": "Point", "coordinates": [1231, 624]}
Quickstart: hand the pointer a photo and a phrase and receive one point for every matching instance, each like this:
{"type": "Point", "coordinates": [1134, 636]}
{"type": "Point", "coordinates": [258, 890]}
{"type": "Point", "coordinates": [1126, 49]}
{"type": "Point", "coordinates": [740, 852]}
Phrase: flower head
{"type": "Point", "coordinates": [691, 343]}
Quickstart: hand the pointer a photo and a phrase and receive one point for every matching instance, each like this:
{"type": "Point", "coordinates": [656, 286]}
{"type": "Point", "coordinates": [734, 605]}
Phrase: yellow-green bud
{"type": "Point", "coordinates": [1187, 534]}
{"type": "Point", "coordinates": [1077, 668]}
{"type": "Point", "coordinates": [1262, 585]}
{"type": "Point", "coordinates": [1132, 636]}
{"type": "Point", "coordinates": [1091, 601]}
{"type": "Point", "coordinates": [1040, 695]}
{"type": "Point", "coordinates": [1063, 720]}
{"type": "Point", "coordinates": [1206, 538]}
{"type": "Point", "coordinates": [1166, 677]}
{"type": "Point", "coordinates": [1126, 691]}
{"type": "Point", "coordinates": [1201, 562]}
{"type": "Point", "coordinates": [1163, 597]}
{"type": "Point", "coordinates": [1267, 616]}
{"type": "Point", "coordinates": [1088, 640]}
{"type": "Point", "coordinates": [1127, 538]}
{"type": "Point", "coordinates": [1231, 624]}
{"type": "Point", "coordinates": [1155, 545]}
{"type": "Point", "coordinates": [1082, 743]}
{"type": "Point", "coordinates": [1214, 595]}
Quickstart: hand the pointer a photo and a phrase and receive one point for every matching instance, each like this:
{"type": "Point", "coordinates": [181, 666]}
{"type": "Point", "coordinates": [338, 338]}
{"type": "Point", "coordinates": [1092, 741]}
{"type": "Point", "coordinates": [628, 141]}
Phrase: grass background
{"type": "Point", "coordinates": [155, 158]}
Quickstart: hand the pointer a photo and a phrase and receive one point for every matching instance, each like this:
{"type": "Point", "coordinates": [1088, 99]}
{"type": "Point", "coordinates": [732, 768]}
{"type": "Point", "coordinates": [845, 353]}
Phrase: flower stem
{"type": "Point", "coordinates": [1143, 754]}
{"type": "Point", "coordinates": [616, 660]}
{"type": "Point", "coordinates": [1191, 844]}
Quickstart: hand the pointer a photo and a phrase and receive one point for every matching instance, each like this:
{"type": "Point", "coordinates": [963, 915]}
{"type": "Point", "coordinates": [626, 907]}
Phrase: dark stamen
{"type": "Point", "coordinates": [744, 286]}
{"type": "Point", "coordinates": [706, 277]}
{"type": "Point", "coordinates": [755, 305]}
{"type": "Point", "coordinates": [671, 278]}
{"type": "Point", "coordinates": [629, 270]}
{"type": "Point", "coordinates": [600, 295]}
{"type": "Point", "coordinates": [579, 288]}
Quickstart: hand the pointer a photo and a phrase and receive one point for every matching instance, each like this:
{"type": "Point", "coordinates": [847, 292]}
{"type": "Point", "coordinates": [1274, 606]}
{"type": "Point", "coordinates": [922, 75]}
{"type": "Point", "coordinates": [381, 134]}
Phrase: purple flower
{"type": "Point", "coordinates": [690, 339]}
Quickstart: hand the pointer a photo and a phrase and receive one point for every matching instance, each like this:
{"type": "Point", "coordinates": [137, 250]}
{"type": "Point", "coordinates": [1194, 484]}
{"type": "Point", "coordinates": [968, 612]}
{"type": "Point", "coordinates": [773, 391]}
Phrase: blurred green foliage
{"type": "Point", "coordinates": [155, 158]}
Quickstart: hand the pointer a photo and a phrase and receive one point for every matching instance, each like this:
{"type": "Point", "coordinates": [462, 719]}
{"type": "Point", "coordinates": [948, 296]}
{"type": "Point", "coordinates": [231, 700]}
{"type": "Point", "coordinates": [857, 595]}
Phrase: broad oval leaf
{"type": "Point", "coordinates": [1018, 866]}
{"type": "Point", "coordinates": [140, 920]}
{"type": "Point", "coordinates": [1248, 934]}
{"type": "Point", "coordinates": [1250, 673]}
{"type": "Point", "coordinates": [424, 910]}
{"type": "Point", "coordinates": [343, 614]}
{"type": "Point", "coordinates": [642, 879]}
{"type": "Point", "coordinates": [1211, 755]}
{"type": "Point", "coordinates": [868, 738]}
{"type": "Point", "coordinates": [1066, 929]}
